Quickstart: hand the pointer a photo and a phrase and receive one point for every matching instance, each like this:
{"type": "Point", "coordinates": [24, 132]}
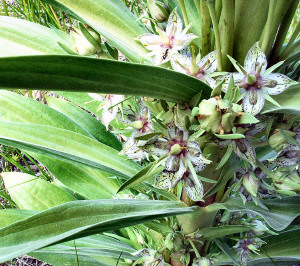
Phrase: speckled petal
{"type": "Point", "coordinates": [210, 81]}
{"type": "Point", "coordinates": [162, 55]}
{"type": "Point", "coordinates": [179, 173]}
{"type": "Point", "coordinates": [244, 150]}
{"type": "Point", "coordinates": [279, 83]}
{"type": "Point", "coordinates": [172, 130]}
{"type": "Point", "coordinates": [222, 143]}
{"type": "Point", "coordinates": [97, 97]}
{"type": "Point", "coordinates": [211, 63]}
{"type": "Point", "coordinates": [254, 59]}
{"type": "Point", "coordinates": [237, 77]}
{"type": "Point", "coordinates": [172, 163]}
{"type": "Point", "coordinates": [289, 156]}
{"type": "Point", "coordinates": [163, 181]}
{"type": "Point", "coordinates": [253, 101]}
{"type": "Point", "coordinates": [150, 41]}
{"type": "Point", "coordinates": [194, 191]}
{"type": "Point", "coordinates": [181, 63]}
{"type": "Point", "coordinates": [174, 24]}
{"type": "Point", "coordinates": [181, 41]}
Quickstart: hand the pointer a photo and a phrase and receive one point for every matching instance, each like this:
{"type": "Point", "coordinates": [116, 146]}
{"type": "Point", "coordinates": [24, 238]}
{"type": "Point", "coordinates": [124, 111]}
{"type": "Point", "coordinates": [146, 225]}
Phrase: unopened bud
{"type": "Point", "coordinates": [158, 10]}
{"type": "Point", "coordinates": [278, 142]}
{"type": "Point", "coordinates": [251, 184]}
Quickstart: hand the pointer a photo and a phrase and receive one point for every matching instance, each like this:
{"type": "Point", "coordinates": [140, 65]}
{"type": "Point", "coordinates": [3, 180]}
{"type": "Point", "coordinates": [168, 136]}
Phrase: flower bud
{"type": "Point", "coordinates": [251, 184]}
{"type": "Point", "coordinates": [278, 142]}
{"type": "Point", "coordinates": [137, 124]}
{"type": "Point", "coordinates": [287, 184]}
{"type": "Point", "coordinates": [81, 43]}
{"type": "Point", "coordinates": [158, 10]}
{"type": "Point", "coordinates": [202, 262]}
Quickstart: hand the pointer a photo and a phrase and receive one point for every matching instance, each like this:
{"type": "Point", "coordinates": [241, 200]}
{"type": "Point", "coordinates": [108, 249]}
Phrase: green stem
{"type": "Point", "coordinates": [212, 11]}
{"type": "Point", "coordinates": [291, 44]}
{"type": "Point", "coordinates": [194, 248]}
{"type": "Point", "coordinates": [185, 17]}
{"type": "Point", "coordinates": [281, 8]}
{"type": "Point", "coordinates": [283, 30]}
{"type": "Point", "coordinates": [227, 32]}
{"type": "Point", "coordinates": [268, 28]}
{"type": "Point", "coordinates": [205, 29]}
{"type": "Point", "coordinates": [5, 8]}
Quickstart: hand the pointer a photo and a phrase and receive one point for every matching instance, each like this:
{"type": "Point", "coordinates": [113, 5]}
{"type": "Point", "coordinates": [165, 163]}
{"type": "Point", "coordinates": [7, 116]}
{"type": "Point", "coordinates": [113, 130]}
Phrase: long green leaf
{"type": "Point", "coordinates": [289, 102]}
{"type": "Point", "coordinates": [21, 37]}
{"type": "Point", "coordinates": [280, 213]}
{"type": "Point", "coordinates": [66, 145]}
{"type": "Point", "coordinates": [10, 216]}
{"type": "Point", "coordinates": [32, 193]}
{"type": "Point", "coordinates": [78, 219]}
{"type": "Point", "coordinates": [113, 20]}
{"type": "Point", "coordinates": [74, 73]}
{"type": "Point", "coordinates": [85, 120]}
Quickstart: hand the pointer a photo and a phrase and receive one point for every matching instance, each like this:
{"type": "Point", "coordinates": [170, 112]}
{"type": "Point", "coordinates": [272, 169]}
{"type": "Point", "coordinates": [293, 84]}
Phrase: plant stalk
{"type": "Point", "coordinates": [283, 30]}
{"type": "Point", "coordinates": [291, 44]}
{"type": "Point", "coordinates": [213, 15]}
{"type": "Point", "coordinates": [205, 29]}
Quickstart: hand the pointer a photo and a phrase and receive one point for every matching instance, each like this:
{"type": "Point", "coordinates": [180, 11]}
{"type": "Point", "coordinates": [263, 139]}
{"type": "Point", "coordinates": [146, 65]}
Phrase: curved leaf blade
{"type": "Point", "coordinates": [74, 73]}
{"type": "Point", "coordinates": [78, 219]}
{"type": "Point", "coordinates": [66, 145]}
{"type": "Point", "coordinates": [21, 37]}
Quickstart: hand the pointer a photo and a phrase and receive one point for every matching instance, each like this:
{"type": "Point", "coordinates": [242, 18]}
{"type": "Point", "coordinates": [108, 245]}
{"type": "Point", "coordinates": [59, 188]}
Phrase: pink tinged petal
{"type": "Point", "coordinates": [237, 77]}
{"type": "Point", "coordinates": [150, 41]}
{"type": "Point", "coordinates": [254, 101]}
{"type": "Point", "coordinates": [172, 163]}
{"type": "Point", "coordinates": [244, 150]}
{"type": "Point", "coordinates": [174, 24]}
{"type": "Point", "coordinates": [194, 191]}
{"type": "Point", "coordinates": [181, 41]}
{"type": "Point", "coordinates": [210, 62]}
{"type": "Point", "coordinates": [276, 83]}
{"type": "Point", "coordinates": [163, 181]}
{"type": "Point", "coordinates": [181, 63]}
{"type": "Point", "coordinates": [255, 58]}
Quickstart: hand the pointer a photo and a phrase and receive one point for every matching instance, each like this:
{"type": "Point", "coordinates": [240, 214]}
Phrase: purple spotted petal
{"type": "Point", "coordinates": [244, 150]}
{"type": "Point", "coordinates": [255, 58]}
{"type": "Point", "coordinates": [253, 101]}
{"type": "Point", "coordinates": [276, 83]}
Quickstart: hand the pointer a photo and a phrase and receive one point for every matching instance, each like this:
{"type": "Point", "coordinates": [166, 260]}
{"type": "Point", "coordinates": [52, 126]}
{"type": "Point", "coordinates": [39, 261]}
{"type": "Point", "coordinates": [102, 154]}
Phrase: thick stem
{"type": "Point", "coordinates": [205, 29]}
{"type": "Point", "coordinates": [281, 8]}
{"type": "Point", "coordinates": [185, 17]}
{"type": "Point", "coordinates": [265, 39]}
{"type": "Point", "coordinates": [227, 32]}
{"type": "Point", "coordinates": [283, 30]}
{"type": "Point", "coordinates": [212, 11]}
{"type": "Point", "coordinates": [5, 8]}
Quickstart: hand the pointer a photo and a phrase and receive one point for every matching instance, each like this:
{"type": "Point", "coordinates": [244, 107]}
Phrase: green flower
{"type": "Point", "coordinates": [256, 81]}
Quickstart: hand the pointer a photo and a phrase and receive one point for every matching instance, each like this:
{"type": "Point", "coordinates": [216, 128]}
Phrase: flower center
{"type": "Point", "coordinates": [177, 147]}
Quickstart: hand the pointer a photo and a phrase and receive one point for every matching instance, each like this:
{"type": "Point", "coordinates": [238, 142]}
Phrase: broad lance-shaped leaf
{"type": "Point", "coordinates": [289, 102]}
{"type": "Point", "coordinates": [90, 183]}
{"type": "Point", "coordinates": [86, 120]}
{"type": "Point", "coordinates": [91, 250]}
{"type": "Point", "coordinates": [280, 213]}
{"type": "Point", "coordinates": [32, 193]}
{"type": "Point", "coordinates": [112, 19]}
{"type": "Point", "coordinates": [10, 216]}
{"type": "Point", "coordinates": [21, 37]}
{"type": "Point", "coordinates": [78, 219]}
{"type": "Point", "coordinates": [74, 73]}
{"type": "Point", "coordinates": [66, 145]}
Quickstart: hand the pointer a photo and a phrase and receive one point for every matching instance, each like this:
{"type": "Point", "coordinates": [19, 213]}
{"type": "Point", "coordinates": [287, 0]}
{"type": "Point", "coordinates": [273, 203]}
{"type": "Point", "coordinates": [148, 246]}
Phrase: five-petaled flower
{"type": "Point", "coordinates": [201, 70]}
{"type": "Point", "coordinates": [256, 81]}
{"type": "Point", "coordinates": [169, 42]}
{"type": "Point", "coordinates": [109, 106]}
{"type": "Point", "coordinates": [181, 154]}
